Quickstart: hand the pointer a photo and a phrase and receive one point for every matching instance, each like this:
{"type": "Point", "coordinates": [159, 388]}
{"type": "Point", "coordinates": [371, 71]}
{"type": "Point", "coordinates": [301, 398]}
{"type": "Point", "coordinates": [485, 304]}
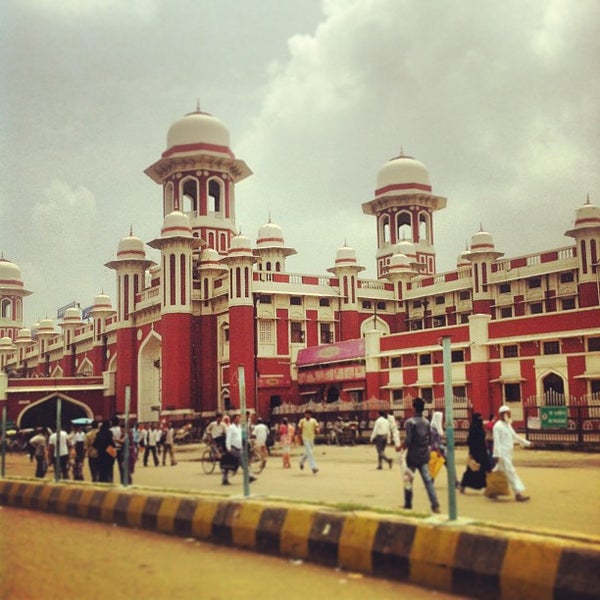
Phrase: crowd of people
{"type": "Point", "coordinates": [103, 445]}
{"type": "Point", "coordinates": [422, 448]}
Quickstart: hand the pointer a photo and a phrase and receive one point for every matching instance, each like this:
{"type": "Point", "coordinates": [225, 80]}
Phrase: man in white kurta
{"type": "Point", "coordinates": [505, 438]}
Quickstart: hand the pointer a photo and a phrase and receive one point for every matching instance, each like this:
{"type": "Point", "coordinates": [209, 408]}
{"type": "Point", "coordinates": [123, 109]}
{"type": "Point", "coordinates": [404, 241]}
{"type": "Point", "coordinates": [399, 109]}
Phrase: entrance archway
{"type": "Point", "coordinates": [43, 412]}
{"type": "Point", "coordinates": [554, 390]}
{"type": "Point", "coordinates": [149, 377]}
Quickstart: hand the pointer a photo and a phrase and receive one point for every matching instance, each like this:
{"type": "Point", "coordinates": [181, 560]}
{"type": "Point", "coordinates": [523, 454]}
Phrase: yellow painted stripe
{"type": "Point", "coordinates": [356, 543]}
{"type": "Point", "coordinates": [27, 498]}
{"type": "Point", "coordinates": [432, 556]}
{"type": "Point", "coordinates": [245, 523]}
{"type": "Point", "coordinates": [85, 501]}
{"type": "Point", "coordinates": [135, 510]}
{"type": "Point", "coordinates": [529, 569]}
{"type": "Point", "coordinates": [63, 499]}
{"type": "Point", "coordinates": [107, 507]}
{"type": "Point", "coordinates": [203, 518]}
{"type": "Point", "coordinates": [295, 532]}
{"type": "Point", "coordinates": [44, 496]}
{"type": "Point", "coordinates": [165, 518]}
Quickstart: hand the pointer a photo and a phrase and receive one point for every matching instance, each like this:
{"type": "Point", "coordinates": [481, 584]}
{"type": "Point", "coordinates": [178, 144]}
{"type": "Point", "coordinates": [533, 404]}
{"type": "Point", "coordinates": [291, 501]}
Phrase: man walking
{"type": "Point", "coordinates": [417, 445]}
{"type": "Point", "coordinates": [151, 440]}
{"type": "Point", "coordinates": [308, 428]}
{"type": "Point", "coordinates": [169, 441]}
{"type": "Point", "coordinates": [504, 440]}
{"type": "Point", "coordinates": [233, 444]}
{"type": "Point", "coordinates": [380, 435]}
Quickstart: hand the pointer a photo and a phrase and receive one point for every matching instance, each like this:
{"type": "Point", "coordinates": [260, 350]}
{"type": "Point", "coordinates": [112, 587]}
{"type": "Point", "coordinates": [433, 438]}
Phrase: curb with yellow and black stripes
{"type": "Point", "coordinates": [475, 561]}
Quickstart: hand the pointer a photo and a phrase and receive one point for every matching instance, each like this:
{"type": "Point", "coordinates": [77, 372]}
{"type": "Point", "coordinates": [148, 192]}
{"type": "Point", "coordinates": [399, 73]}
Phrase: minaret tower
{"type": "Point", "coordinates": [12, 293]}
{"type": "Point", "coordinates": [482, 254]}
{"type": "Point", "coordinates": [130, 266]}
{"type": "Point", "coordinates": [346, 269]}
{"type": "Point", "coordinates": [587, 240]}
{"type": "Point", "coordinates": [242, 330]}
{"type": "Point", "coordinates": [270, 248]}
{"type": "Point", "coordinates": [198, 172]}
{"type": "Point", "coordinates": [404, 207]}
{"type": "Point", "coordinates": [176, 247]}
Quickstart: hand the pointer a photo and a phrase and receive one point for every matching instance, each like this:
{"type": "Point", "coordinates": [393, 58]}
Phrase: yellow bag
{"type": "Point", "coordinates": [436, 462]}
{"type": "Point", "coordinates": [496, 484]}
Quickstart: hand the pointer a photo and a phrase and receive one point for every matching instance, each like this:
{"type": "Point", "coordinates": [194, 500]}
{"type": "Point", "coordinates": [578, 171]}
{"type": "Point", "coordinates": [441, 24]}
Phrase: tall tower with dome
{"type": "Point", "coordinates": [403, 206]}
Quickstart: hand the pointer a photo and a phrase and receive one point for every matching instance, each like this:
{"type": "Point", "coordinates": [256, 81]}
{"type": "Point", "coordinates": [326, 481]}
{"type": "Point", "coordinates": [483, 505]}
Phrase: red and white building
{"type": "Point", "coordinates": [178, 331]}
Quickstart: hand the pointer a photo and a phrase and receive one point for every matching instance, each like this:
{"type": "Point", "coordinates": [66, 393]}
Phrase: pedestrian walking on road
{"type": "Point", "coordinates": [505, 438]}
{"type": "Point", "coordinates": [261, 434]}
{"type": "Point", "coordinates": [284, 438]}
{"type": "Point", "coordinates": [107, 452]}
{"type": "Point", "coordinates": [308, 429]}
{"type": "Point", "coordinates": [150, 443]}
{"type": "Point", "coordinates": [232, 459]}
{"type": "Point", "coordinates": [168, 445]}
{"type": "Point", "coordinates": [380, 435]}
{"type": "Point", "coordinates": [62, 449]}
{"type": "Point", "coordinates": [91, 451]}
{"type": "Point", "coordinates": [418, 450]}
{"type": "Point", "coordinates": [478, 463]}
{"type": "Point", "coordinates": [40, 452]}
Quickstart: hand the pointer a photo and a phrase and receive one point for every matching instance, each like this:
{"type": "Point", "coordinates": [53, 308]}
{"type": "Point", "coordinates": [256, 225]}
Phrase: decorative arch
{"type": "Point", "coordinates": [189, 196]}
{"type": "Point", "coordinates": [552, 386]}
{"type": "Point", "coordinates": [384, 229]}
{"type": "Point", "coordinates": [57, 371]}
{"type": "Point", "coordinates": [215, 195]}
{"type": "Point", "coordinates": [404, 226]}
{"type": "Point", "coordinates": [42, 412]}
{"type": "Point", "coordinates": [425, 227]}
{"type": "Point", "coordinates": [86, 367]}
{"type": "Point", "coordinates": [169, 198]}
{"type": "Point", "coordinates": [6, 308]}
{"type": "Point", "coordinates": [149, 378]}
{"type": "Point", "coordinates": [374, 323]}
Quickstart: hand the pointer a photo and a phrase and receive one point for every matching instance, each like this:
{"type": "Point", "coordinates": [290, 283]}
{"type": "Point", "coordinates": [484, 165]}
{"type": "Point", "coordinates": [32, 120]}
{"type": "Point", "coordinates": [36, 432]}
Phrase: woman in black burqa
{"type": "Point", "coordinates": [107, 451]}
{"type": "Point", "coordinates": [474, 476]}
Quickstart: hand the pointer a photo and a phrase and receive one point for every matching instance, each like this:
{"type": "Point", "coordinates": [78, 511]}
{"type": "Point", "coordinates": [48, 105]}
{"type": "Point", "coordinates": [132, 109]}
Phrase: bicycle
{"type": "Point", "coordinates": [210, 458]}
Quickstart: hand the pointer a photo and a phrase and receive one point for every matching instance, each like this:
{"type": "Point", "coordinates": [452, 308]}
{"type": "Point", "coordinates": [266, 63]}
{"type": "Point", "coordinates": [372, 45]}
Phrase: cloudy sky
{"type": "Point", "coordinates": [499, 99]}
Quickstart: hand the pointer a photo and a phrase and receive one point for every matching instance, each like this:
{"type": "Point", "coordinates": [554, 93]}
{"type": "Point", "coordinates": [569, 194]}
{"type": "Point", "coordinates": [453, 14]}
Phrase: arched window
{"type": "Point", "coordinates": [169, 205]}
{"type": "Point", "coordinates": [385, 229]}
{"type": "Point", "coordinates": [278, 266]}
{"type": "Point", "coordinates": [424, 229]}
{"type": "Point", "coordinates": [215, 196]}
{"type": "Point", "coordinates": [268, 266]}
{"type": "Point", "coordinates": [404, 226]}
{"type": "Point", "coordinates": [189, 196]}
{"type": "Point", "coordinates": [6, 309]}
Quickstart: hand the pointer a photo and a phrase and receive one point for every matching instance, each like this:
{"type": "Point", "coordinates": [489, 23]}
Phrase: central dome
{"type": "Point", "coordinates": [405, 172]}
{"type": "Point", "coordinates": [197, 128]}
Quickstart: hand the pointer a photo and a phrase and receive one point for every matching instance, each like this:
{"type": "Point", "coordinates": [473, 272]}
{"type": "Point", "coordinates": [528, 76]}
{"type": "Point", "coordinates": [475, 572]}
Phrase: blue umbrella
{"type": "Point", "coordinates": [81, 421]}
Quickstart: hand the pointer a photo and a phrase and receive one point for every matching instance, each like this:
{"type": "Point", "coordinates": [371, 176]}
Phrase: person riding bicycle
{"type": "Point", "coordinates": [216, 431]}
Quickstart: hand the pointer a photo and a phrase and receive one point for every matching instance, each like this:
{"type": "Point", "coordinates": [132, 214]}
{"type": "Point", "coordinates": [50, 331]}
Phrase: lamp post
{"type": "Point", "coordinates": [451, 469]}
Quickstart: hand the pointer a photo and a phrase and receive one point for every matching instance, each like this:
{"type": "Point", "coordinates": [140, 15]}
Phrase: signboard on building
{"type": "Point", "coordinates": [554, 417]}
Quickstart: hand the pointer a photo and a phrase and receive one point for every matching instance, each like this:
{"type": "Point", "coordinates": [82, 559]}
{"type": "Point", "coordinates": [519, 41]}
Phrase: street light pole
{"type": "Point", "coordinates": [448, 400]}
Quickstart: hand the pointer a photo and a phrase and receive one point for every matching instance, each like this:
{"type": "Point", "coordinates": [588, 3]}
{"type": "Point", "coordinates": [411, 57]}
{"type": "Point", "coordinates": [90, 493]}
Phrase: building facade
{"type": "Point", "coordinates": [182, 332]}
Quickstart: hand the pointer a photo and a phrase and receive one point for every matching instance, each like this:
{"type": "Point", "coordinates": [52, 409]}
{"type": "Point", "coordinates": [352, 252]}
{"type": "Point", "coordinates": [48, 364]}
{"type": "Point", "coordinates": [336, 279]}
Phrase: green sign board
{"type": "Point", "coordinates": [554, 417]}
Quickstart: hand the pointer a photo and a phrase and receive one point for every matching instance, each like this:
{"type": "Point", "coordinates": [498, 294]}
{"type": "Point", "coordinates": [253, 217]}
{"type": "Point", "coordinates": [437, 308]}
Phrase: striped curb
{"type": "Point", "coordinates": [470, 560]}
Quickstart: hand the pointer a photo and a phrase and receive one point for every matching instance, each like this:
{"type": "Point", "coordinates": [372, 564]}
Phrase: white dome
{"type": "Point", "coordinates": [240, 242]}
{"type": "Point", "coordinates": [45, 326]}
{"type": "Point", "coordinates": [131, 248]}
{"type": "Point", "coordinates": [482, 241]}
{"type": "Point", "coordinates": [587, 216]}
{"type": "Point", "coordinates": [176, 224]}
{"type": "Point", "coordinates": [405, 173]}
{"type": "Point", "coordinates": [24, 336]}
{"type": "Point", "coordinates": [399, 260]}
{"type": "Point", "coordinates": [9, 272]}
{"type": "Point", "coordinates": [270, 234]}
{"type": "Point", "coordinates": [102, 302]}
{"type": "Point", "coordinates": [72, 316]}
{"type": "Point", "coordinates": [209, 258]}
{"type": "Point", "coordinates": [463, 259]}
{"type": "Point", "coordinates": [196, 128]}
{"type": "Point", "coordinates": [6, 344]}
{"type": "Point", "coordinates": [407, 248]}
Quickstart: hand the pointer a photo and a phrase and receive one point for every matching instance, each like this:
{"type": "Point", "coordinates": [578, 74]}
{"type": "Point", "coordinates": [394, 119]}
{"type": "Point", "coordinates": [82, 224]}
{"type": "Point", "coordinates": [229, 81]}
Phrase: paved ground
{"type": "Point", "coordinates": [55, 558]}
{"type": "Point", "coordinates": [564, 486]}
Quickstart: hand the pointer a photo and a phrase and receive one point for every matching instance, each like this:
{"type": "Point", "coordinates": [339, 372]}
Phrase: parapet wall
{"type": "Point", "coordinates": [471, 560]}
